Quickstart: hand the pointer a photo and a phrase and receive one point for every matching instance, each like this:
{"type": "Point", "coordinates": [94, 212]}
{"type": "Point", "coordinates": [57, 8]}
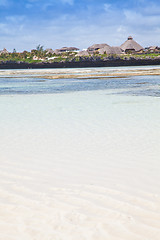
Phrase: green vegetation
{"type": "Point", "coordinates": [40, 55]}
{"type": "Point", "coordinates": [141, 56]}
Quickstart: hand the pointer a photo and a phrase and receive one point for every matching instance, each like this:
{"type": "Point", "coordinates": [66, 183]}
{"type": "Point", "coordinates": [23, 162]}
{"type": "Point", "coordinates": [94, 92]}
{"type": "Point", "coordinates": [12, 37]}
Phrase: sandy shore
{"type": "Point", "coordinates": [120, 74]}
{"type": "Point", "coordinates": [83, 73]}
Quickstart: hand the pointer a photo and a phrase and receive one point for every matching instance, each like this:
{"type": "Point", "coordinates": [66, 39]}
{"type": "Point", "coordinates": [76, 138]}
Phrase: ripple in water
{"type": "Point", "coordinates": [137, 85]}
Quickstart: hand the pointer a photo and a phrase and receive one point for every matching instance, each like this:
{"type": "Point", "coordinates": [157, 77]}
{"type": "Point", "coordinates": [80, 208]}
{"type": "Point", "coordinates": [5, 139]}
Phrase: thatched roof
{"type": "Point", "coordinates": [65, 49]}
{"type": "Point", "coordinates": [110, 50]}
{"type": "Point", "coordinates": [49, 50]}
{"type": "Point", "coordinates": [107, 49]}
{"type": "Point", "coordinates": [82, 53]}
{"type": "Point", "coordinates": [117, 50]}
{"type": "Point", "coordinates": [96, 47]}
{"type": "Point", "coordinates": [4, 51]}
{"type": "Point", "coordinates": [73, 49]}
{"type": "Point", "coordinates": [56, 51]}
{"type": "Point", "coordinates": [153, 47]}
{"type": "Point", "coordinates": [130, 44]}
{"type": "Point", "coordinates": [68, 49]}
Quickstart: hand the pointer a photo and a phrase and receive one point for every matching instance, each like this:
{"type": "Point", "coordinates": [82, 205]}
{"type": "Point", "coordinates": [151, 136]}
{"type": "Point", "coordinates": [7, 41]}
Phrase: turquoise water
{"type": "Point", "coordinates": [139, 85]}
{"type": "Point", "coordinates": [46, 121]}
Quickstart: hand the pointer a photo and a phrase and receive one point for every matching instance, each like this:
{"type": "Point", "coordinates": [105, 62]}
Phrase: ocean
{"type": "Point", "coordinates": [33, 82]}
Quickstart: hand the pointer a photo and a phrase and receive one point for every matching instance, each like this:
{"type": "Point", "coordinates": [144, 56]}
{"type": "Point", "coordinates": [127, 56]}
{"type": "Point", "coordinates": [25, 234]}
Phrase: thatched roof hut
{"type": "Point", "coordinates": [131, 45]}
{"type": "Point", "coordinates": [110, 50]}
{"type": "Point", "coordinates": [97, 47]}
{"type": "Point", "coordinates": [72, 49]}
{"type": "Point", "coordinates": [66, 49]}
{"type": "Point", "coordinates": [4, 51]}
{"type": "Point", "coordinates": [82, 53]}
{"type": "Point", "coordinates": [117, 50]}
{"type": "Point", "coordinates": [154, 49]}
{"type": "Point", "coordinates": [49, 50]}
{"type": "Point", "coordinates": [57, 52]}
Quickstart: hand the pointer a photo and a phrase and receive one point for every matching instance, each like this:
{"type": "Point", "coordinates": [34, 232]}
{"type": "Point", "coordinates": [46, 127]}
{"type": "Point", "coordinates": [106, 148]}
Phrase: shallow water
{"type": "Point", "coordinates": [138, 85]}
{"type": "Point", "coordinates": [82, 161]}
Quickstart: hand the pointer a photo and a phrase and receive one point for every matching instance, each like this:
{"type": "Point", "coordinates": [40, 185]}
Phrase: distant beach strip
{"type": "Point", "coordinates": [83, 73]}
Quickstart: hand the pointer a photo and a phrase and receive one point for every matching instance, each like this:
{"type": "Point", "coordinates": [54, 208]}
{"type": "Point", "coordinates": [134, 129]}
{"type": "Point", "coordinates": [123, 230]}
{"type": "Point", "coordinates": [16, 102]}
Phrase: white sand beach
{"type": "Point", "coordinates": [79, 166]}
{"type": "Point", "coordinates": [81, 73]}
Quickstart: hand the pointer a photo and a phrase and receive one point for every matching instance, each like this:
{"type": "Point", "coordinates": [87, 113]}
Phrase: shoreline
{"type": "Point", "coordinates": [125, 74]}
{"type": "Point", "coordinates": [81, 74]}
{"type": "Point", "coordinates": [81, 64]}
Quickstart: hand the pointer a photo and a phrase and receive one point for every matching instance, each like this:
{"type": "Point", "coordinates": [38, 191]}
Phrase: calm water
{"type": "Point", "coordinates": [137, 85]}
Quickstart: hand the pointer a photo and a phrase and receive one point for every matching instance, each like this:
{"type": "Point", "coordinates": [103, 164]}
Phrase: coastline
{"type": "Point", "coordinates": [82, 73]}
{"type": "Point", "coordinates": [80, 64]}
{"type": "Point", "coordinates": [115, 74]}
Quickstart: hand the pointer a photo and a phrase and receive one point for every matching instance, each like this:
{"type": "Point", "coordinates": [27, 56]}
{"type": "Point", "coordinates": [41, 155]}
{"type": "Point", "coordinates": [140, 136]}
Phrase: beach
{"type": "Point", "coordinates": [81, 73]}
{"type": "Point", "coordinates": [79, 154]}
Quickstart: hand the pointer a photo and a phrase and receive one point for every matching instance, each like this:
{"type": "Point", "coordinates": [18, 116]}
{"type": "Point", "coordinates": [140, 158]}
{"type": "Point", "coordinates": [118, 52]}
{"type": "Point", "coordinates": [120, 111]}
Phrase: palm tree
{"type": "Point", "coordinates": [40, 51]}
{"type": "Point", "coordinates": [39, 48]}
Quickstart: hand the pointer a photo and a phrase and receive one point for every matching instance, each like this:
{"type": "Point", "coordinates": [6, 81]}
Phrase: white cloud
{"type": "Point", "coordinates": [15, 18]}
{"type": "Point", "coordinates": [4, 28]}
{"type": "Point", "coordinates": [44, 5]}
{"type": "Point", "coordinates": [12, 27]}
{"type": "Point", "coordinates": [151, 9]}
{"type": "Point", "coordinates": [139, 19]}
{"type": "Point", "coordinates": [107, 7]}
{"type": "Point", "coordinates": [121, 29]}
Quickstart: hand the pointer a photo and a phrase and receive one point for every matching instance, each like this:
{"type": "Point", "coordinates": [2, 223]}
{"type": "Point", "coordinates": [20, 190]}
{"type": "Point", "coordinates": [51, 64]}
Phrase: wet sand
{"type": "Point", "coordinates": [83, 73]}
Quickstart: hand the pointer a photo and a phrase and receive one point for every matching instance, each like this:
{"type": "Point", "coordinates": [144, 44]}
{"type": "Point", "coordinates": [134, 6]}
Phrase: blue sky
{"type": "Point", "coordinates": [56, 23]}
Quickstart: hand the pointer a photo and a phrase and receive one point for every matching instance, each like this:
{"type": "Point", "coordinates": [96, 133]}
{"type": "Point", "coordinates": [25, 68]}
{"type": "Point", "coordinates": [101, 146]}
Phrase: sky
{"type": "Point", "coordinates": [24, 24]}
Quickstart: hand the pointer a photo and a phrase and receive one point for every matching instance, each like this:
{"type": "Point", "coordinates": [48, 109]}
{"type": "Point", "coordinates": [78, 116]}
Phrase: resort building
{"type": "Point", "coordinates": [110, 50]}
{"type": "Point", "coordinates": [49, 51]}
{"type": "Point", "coordinates": [104, 49]}
{"type": "Point", "coordinates": [4, 51]}
{"type": "Point", "coordinates": [66, 49]}
{"type": "Point", "coordinates": [153, 49]}
{"type": "Point", "coordinates": [82, 53]}
{"type": "Point", "coordinates": [131, 46]}
{"type": "Point", "coordinates": [97, 47]}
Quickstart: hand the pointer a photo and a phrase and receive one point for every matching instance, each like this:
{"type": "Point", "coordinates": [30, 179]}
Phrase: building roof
{"type": "Point", "coordinates": [49, 50]}
{"type": "Point", "coordinates": [65, 49]}
{"type": "Point", "coordinates": [68, 49]}
{"type": "Point", "coordinates": [4, 51]}
{"type": "Point", "coordinates": [117, 50]}
{"type": "Point", "coordinates": [56, 51]}
{"type": "Point", "coordinates": [153, 47]}
{"type": "Point", "coordinates": [95, 47]}
{"type": "Point", "coordinates": [130, 44]}
{"type": "Point", "coordinates": [82, 53]}
{"type": "Point", "coordinates": [110, 50]}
